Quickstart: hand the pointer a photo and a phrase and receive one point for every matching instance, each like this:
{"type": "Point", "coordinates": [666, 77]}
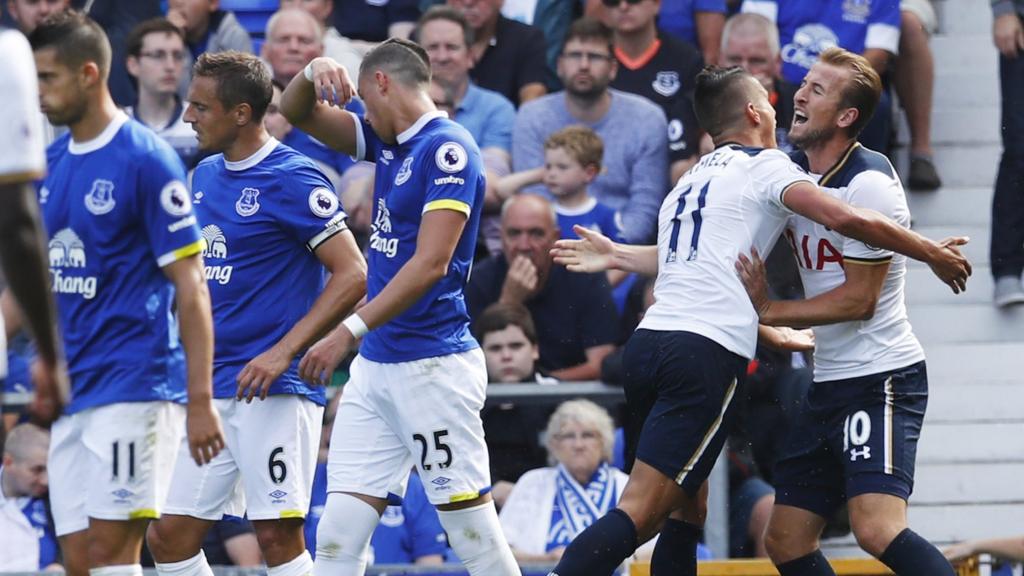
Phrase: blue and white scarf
{"type": "Point", "coordinates": [575, 507]}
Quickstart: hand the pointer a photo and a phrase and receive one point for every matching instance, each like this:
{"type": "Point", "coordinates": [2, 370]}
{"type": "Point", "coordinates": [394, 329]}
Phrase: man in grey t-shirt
{"type": "Point", "coordinates": [633, 130]}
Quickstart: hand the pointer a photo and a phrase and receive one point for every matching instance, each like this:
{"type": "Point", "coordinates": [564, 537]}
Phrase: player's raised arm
{"type": "Point", "coordinates": [192, 297]}
{"type": "Point", "coordinates": [314, 103]}
{"type": "Point", "coordinates": [875, 229]}
{"type": "Point", "coordinates": [595, 252]}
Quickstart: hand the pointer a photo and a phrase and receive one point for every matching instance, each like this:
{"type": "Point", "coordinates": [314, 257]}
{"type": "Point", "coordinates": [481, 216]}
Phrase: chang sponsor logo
{"type": "Point", "coordinates": [216, 249]}
{"type": "Point", "coordinates": [66, 251]}
{"type": "Point", "coordinates": [381, 226]}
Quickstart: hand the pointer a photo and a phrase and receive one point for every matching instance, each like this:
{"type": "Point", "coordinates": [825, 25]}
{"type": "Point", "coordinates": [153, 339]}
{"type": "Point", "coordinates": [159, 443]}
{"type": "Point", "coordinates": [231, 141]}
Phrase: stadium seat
{"type": "Point", "coordinates": [842, 567]}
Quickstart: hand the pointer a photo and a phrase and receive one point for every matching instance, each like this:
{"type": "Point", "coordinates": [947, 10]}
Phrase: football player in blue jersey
{"type": "Point", "coordinates": [419, 381]}
{"type": "Point", "coordinates": [125, 253]}
{"type": "Point", "coordinates": [272, 224]}
{"type": "Point", "coordinates": [22, 247]}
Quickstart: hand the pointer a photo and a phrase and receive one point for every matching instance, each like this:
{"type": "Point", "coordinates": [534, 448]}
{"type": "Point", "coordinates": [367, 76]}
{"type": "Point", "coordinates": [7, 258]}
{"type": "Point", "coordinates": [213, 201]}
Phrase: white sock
{"type": "Point", "coordinates": [343, 536]}
{"type": "Point", "coordinates": [476, 537]}
{"type": "Point", "coordinates": [301, 565]}
{"type": "Point", "coordinates": [194, 566]}
{"type": "Point", "coordinates": [120, 570]}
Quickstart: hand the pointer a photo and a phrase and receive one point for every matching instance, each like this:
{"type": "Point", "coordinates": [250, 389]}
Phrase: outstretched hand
{"type": "Point", "coordinates": [593, 252]}
{"type": "Point", "coordinates": [950, 265]}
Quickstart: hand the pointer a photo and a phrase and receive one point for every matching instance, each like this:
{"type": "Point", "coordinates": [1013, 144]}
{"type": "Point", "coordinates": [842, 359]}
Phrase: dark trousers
{"type": "Point", "coordinates": [1007, 248]}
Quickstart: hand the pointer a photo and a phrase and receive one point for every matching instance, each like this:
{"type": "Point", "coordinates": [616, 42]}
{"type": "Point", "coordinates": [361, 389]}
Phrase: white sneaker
{"type": "Point", "coordinates": [1009, 291]}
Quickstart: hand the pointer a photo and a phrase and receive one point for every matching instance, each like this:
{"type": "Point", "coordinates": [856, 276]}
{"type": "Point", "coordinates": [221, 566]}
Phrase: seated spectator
{"type": "Point", "coordinates": [409, 533]}
{"type": "Point", "coordinates": [488, 116]}
{"type": "Point", "coordinates": [509, 56]}
{"type": "Point", "coordinates": [29, 543]}
{"type": "Point", "coordinates": [661, 68]}
{"type": "Point", "coordinates": [574, 313]}
{"type": "Point", "coordinates": [293, 40]}
{"type": "Point", "coordinates": [369, 22]}
{"type": "Point", "coordinates": [118, 19]}
{"type": "Point", "coordinates": [512, 430]}
{"type": "Point", "coordinates": [18, 380]}
{"type": "Point", "coordinates": [275, 122]}
{"type": "Point", "coordinates": [550, 506]}
{"type": "Point", "coordinates": [1011, 549]}
{"type": "Point", "coordinates": [207, 28]}
{"type": "Point", "coordinates": [633, 130]}
{"type": "Point", "coordinates": [553, 17]}
{"type": "Point", "coordinates": [27, 14]}
{"type": "Point", "coordinates": [914, 79]}
{"type": "Point", "coordinates": [806, 28]}
{"type": "Point", "coordinates": [156, 60]}
{"type": "Point", "coordinates": [698, 22]}
{"type": "Point", "coordinates": [336, 46]}
{"type": "Point", "coordinates": [232, 542]}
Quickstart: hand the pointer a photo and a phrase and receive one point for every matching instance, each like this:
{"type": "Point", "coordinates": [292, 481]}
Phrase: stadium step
{"type": "Point", "coordinates": [977, 323]}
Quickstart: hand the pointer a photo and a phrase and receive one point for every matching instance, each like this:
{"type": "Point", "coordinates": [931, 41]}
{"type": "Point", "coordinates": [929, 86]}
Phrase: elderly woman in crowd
{"type": "Point", "coordinates": [549, 506]}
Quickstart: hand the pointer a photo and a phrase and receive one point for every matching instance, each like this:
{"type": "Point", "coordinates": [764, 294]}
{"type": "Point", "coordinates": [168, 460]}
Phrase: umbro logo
{"type": "Point", "coordinates": [440, 481]}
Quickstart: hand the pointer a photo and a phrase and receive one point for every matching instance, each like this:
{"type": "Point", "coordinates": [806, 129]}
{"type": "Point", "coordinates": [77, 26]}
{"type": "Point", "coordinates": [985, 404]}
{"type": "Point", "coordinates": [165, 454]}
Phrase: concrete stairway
{"type": "Point", "coordinates": [970, 465]}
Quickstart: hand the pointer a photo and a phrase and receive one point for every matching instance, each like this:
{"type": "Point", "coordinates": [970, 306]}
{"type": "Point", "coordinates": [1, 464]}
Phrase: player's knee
{"type": "Point", "coordinates": [170, 543]}
{"type": "Point", "coordinates": [280, 540]}
{"type": "Point", "coordinates": [875, 534]}
{"type": "Point", "coordinates": [159, 542]}
{"type": "Point", "coordinates": [784, 545]}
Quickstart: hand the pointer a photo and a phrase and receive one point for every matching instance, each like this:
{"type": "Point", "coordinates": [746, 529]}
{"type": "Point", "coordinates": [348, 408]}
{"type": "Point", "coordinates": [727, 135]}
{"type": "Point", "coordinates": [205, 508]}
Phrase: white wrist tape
{"type": "Point", "coordinates": [356, 326]}
{"type": "Point", "coordinates": [308, 72]}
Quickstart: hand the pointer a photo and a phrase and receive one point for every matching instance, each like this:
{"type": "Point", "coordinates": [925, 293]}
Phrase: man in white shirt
{"type": "Point", "coordinates": [22, 480]}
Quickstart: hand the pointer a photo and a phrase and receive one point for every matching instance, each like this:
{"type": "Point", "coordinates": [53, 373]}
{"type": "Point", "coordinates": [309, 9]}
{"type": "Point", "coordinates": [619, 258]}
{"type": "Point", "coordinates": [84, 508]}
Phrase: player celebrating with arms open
{"type": "Point", "coordinates": [419, 381]}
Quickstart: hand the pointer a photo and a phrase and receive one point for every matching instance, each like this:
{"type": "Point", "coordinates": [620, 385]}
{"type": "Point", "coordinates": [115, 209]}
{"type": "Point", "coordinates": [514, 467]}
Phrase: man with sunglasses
{"type": "Point", "coordinates": [661, 68]}
{"type": "Point", "coordinates": [633, 130]}
{"type": "Point", "coordinates": [156, 59]}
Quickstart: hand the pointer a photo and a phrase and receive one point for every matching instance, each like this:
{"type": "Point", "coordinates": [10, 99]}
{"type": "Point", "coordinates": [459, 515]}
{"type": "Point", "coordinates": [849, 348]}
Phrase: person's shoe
{"type": "Point", "coordinates": [923, 175]}
{"type": "Point", "coordinates": [1009, 291]}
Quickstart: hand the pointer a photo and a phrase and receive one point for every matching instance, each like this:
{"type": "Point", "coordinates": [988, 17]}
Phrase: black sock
{"type": "Point", "coordinates": [675, 554]}
{"type": "Point", "coordinates": [599, 549]}
{"type": "Point", "coordinates": [814, 564]}
{"type": "Point", "coordinates": [911, 555]}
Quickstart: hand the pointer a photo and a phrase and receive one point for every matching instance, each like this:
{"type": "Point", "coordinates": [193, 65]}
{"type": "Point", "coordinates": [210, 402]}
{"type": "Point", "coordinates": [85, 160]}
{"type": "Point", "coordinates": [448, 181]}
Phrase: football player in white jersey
{"type": "Point", "coordinates": [856, 436]}
{"type": "Point", "coordinates": [22, 247]}
{"type": "Point", "coordinates": [687, 360]}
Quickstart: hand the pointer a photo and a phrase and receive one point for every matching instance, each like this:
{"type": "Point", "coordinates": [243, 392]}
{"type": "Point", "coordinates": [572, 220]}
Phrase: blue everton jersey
{"type": "Point", "coordinates": [806, 29]}
{"type": "Point", "coordinates": [594, 215]}
{"type": "Point", "coordinates": [117, 210]}
{"type": "Point", "coordinates": [435, 165]}
{"type": "Point", "coordinates": [262, 217]}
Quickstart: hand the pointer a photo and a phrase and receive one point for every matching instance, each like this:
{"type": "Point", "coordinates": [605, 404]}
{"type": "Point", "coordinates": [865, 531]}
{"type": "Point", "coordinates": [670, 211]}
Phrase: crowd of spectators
{"type": "Point", "coordinates": [584, 117]}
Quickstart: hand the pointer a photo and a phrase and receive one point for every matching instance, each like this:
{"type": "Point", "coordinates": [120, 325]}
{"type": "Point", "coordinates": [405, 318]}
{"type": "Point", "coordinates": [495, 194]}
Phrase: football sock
{"type": "Point", "coordinates": [194, 566]}
{"type": "Point", "coordinates": [675, 553]}
{"type": "Point", "coordinates": [343, 536]}
{"type": "Point", "coordinates": [814, 564]}
{"type": "Point", "coordinates": [601, 548]}
{"type": "Point", "coordinates": [909, 555]}
{"type": "Point", "coordinates": [476, 537]}
{"type": "Point", "coordinates": [301, 565]}
{"type": "Point", "coordinates": [120, 570]}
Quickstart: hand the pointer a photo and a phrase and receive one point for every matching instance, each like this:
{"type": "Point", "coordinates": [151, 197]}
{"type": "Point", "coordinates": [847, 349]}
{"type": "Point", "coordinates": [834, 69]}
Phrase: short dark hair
{"type": "Point", "coordinates": [863, 88]}
{"type": "Point", "coordinates": [133, 44]}
{"type": "Point", "coordinates": [499, 316]}
{"type": "Point", "coordinates": [77, 39]}
{"type": "Point", "coordinates": [241, 79]}
{"type": "Point", "coordinates": [584, 29]}
{"type": "Point", "coordinates": [443, 12]}
{"type": "Point", "coordinates": [401, 58]}
{"type": "Point", "coordinates": [720, 98]}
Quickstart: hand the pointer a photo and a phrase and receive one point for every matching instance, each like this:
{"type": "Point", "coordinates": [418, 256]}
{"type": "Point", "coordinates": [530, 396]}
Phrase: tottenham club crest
{"type": "Point", "coordinates": [247, 203]}
{"type": "Point", "coordinates": [100, 198]}
{"type": "Point", "coordinates": [323, 202]}
{"type": "Point", "coordinates": [404, 172]}
{"type": "Point", "coordinates": [666, 83]}
{"type": "Point", "coordinates": [451, 157]}
{"type": "Point", "coordinates": [174, 199]}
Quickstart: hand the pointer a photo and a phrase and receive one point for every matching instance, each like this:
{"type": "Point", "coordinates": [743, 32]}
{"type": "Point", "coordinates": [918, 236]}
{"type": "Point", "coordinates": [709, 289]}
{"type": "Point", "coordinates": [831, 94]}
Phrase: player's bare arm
{"type": "Point", "coordinates": [785, 339]}
{"type": "Point", "coordinates": [854, 299]}
{"type": "Point", "coordinates": [192, 296]}
{"type": "Point", "coordinates": [25, 267]}
{"type": "Point", "coordinates": [438, 237]}
{"type": "Point", "coordinates": [345, 288]}
{"type": "Point", "coordinates": [875, 229]}
{"type": "Point", "coordinates": [595, 252]}
{"type": "Point", "coordinates": [317, 107]}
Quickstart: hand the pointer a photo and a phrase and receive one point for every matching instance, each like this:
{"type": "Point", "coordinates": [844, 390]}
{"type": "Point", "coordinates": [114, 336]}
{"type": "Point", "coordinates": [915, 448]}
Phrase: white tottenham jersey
{"type": "Point", "coordinates": [865, 179]}
{"type": "Point", "coordinates": [730, 201]}
{"type": "Point", "coordinates": [22, 155]}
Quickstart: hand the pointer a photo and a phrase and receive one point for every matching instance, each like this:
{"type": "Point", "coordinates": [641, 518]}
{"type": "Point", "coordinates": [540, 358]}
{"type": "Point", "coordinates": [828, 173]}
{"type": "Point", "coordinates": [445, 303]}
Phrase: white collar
{"type": "Point", "coordinates": [418, 125]}
{"type": "Point", "coordinates": [100, 141]}
{"type": "Point", "coordinates": [577, 210]}
{"type": "Point", "coordinates": [253, 160]}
